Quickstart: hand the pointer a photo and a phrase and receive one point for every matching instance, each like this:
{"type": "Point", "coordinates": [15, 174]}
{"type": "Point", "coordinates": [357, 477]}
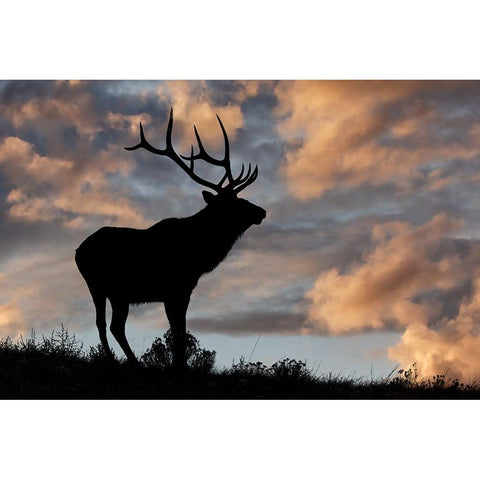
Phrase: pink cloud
{"type": "Point", "coordinates": [344, 133]}
{"type": "Point", "coordinates": [377, 293]}
{"type": "Point", "coordinates": [34, 200]}
{"type": "Point", "coordinates": [384, 290]}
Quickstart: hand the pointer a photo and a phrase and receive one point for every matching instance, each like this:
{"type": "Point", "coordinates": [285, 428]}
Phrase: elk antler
{"type": "Point", "coordinates": [234, 184]}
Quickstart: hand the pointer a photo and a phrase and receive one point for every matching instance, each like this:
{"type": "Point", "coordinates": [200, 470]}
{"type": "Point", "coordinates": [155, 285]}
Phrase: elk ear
{"type": "Point", "coordinates": [208, 196]}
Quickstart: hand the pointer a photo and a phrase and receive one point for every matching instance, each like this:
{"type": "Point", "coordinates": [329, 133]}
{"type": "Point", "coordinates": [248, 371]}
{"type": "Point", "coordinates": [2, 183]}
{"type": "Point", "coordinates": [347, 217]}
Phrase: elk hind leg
{"type": "Point", "coordinates": [117, 327]}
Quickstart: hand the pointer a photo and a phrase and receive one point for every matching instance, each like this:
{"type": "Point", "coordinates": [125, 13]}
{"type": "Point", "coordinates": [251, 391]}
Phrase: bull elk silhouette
{"type": "Point", "coordinates": [164, 262]}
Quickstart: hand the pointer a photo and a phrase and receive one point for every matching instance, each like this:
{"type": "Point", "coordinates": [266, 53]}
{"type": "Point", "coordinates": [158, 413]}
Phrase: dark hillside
{"type": "Point", "coordinates": [56, 367]}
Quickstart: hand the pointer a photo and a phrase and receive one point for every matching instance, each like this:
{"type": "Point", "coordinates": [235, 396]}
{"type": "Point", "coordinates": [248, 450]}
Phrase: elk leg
{"type": "Point", "coordinates": [176, 310]}
{"type": "Point", "coordinates": [99, 302]}
{"type": "Point", "coordinates": [117, 327]}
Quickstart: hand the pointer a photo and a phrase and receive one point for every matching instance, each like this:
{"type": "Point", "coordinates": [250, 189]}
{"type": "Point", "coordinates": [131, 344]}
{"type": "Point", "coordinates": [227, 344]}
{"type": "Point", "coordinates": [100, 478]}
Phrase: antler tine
{"type": "Point", "coordinates": [202, 154]}
{"type": "Point", "coordinates": [170, 152]}
{"type": "Point", "coordinates": [238, 179]}
{"type": "Point", "coordinates": [226, 157]}
{"type": "Point", "coordinates": [157, 151]}
{"type": "Point", "coordinates": [169, 146]}
{"type": "Point", "coordinates": [247, 181]}
{"type": "Point", "coordinates": [234, 184]}
{"type": "Point", "coordinates": [143, 143]}
{"type": "Point", "coordinates": [241, 179]}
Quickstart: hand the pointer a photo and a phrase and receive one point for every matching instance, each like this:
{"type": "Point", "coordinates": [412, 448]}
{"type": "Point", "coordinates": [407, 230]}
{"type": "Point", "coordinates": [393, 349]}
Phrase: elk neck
{"type": "Point", "coordinates": [226, 229]}
{"type": "Point", "coordinates": [218, 234]}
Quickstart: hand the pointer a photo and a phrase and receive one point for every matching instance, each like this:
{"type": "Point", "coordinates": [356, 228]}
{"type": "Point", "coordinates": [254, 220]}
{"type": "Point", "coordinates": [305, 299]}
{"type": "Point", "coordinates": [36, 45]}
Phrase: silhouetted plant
{"type": "Point", "coordinates": [61, 343]}
{"type": "Point", "coordinates": [160, 354]}
{"type": "Point", "coordinates": [7, 344]}
{"type": "Point", "coordinates": [406, 378]}
{"type": "Point", "coordinates": [283, 369]}
{"type": "Point", "coordinates": [289, 368]}
{"type": "Point", "coordinates": [27, 344]}
{"type": "Point", "coordinates": [98, 354]}
{"type": "Point", "coordinates": [441, 382]}
{"type": "Point", "coordinates": [248, 368]}
{"type": "Point", "coordinates": [410, 378]}
{"type": "Point", "coordinates": [456, 385]}
{"type": "Point", "coordinates": [157, 355]}
{"type": "Point", "coordinates": [438, 381]}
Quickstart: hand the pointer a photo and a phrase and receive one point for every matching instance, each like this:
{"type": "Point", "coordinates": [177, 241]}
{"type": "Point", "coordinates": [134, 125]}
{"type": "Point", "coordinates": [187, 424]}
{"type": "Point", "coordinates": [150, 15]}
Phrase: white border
{"type": "Point", "coordinates": [146, 39]}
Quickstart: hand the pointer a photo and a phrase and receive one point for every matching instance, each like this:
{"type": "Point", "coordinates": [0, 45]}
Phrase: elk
{"type": "Point", "coordinates": [164, 262]}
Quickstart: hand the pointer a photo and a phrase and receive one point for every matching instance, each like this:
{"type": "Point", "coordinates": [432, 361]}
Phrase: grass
{"type": "Point", "coordinates": [57, 367]}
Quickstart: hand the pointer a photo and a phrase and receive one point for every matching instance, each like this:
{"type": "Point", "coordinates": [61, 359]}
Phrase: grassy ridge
{"type": "Point", "coordinates": [56, 367]}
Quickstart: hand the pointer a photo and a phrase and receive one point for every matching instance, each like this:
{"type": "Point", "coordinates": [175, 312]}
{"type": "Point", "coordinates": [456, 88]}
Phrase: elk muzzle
{"type": "Point", "coordinates": [261, 214]}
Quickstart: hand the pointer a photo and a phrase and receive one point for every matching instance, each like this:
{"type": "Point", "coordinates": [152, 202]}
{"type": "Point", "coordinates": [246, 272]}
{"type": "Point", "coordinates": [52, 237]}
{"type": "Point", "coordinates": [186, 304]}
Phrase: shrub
{"type": "Point", "coordinates": [289, 368]}
{"type": "Point", "coordinates": [6, 344]}
{"type": "Point", "coordinates": [160, 354]}
{"type": "Point", "coordinates": [61, 343]}
{"type": "Point", "coordinates": [406, 378]}
{"type": "Point", "coordinates": [248, 368]}
{"type": "Point", "coordinates": [157, 355]}
{"type": "Point", "coordinates": [98, 354]}
{"type": "Point", "coordinates": [283, 369]}
{"type": "Point", "coordinates": [27, 344]}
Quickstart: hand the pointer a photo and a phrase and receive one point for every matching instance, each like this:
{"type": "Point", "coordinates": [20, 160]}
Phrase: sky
{"type": "Point", "coordinates": [369, 257]}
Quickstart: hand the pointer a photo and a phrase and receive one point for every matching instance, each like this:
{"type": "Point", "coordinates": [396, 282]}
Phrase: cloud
{"type": "Point", "coordinates": [443, 352]}
{"type": "Point", "coordinates": [78, 111]}
{"type": "Point", "coordinates": [452, 350]}
{"type": "Point", "coordinates": [345, 134]}
{"type": "Point", "coordinates": [247, 323]}
{"type": "Point", "coordinates": [48, 189]}
{"type": "Point", "coordinates": [11, 321]}
{"type": "Point", "coordinates": [191, 103]}
{"type": "Point", "coordinates": [399, 284]}
{"type": "Point", "coordinates": [39, 290]}
{"type": "Point", "coordinates": [380, 292]}
{"type": "Point", "coordinates": [22, 164]}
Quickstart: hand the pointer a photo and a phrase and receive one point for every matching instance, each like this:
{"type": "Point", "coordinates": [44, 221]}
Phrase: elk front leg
{"type": "Point", "coordinates": [176, 310]}
{"type": "Point", "coordinates": [117, 327]}
{"type": "Point", "coordinates": [99, 302]}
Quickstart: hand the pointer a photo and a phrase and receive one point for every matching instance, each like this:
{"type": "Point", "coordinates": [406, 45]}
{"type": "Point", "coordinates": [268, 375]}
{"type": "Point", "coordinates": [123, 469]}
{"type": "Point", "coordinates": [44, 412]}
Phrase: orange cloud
{"type": "Point", "coordinates": [346, 133]}
{"type": "Point", "coordinates": [117, 210]}
{"type": "Point", "coordinates": [34, 200]}
{"type": "Point", "coordinates": [77, 109]}
{"type": "Point", "coordinates": [378, 293]}
{"type": "Point", "coordinates": [11, 323]}
{"type": "Point", "coordinates": [21, 163]}
{"type": "Point", "coordinates": [453, 350]}
{"type": "Point", "coordinates": [128, 122]}
{"type": "Point", "coordinates": [38, 289]}
{"type": "Point", "coordinates": [192, 104]}
{"type": "Point", "coordinates": [385, 291]}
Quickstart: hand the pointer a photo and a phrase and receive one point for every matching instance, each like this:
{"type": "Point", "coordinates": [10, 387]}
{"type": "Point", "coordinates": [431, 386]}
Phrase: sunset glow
{"type": "Point", "coordinates": [372, 235]}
